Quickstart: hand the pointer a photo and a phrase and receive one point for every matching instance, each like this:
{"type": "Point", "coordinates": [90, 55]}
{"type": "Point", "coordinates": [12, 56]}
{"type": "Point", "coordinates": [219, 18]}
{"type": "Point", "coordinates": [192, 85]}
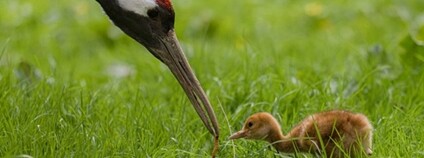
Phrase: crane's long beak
{"type": "Point", "coordinates": [173, 56]}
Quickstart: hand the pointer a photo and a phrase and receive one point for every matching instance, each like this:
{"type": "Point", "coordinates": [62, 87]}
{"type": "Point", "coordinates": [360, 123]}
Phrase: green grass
{"type": "Point", "coordinates": [290, 58]}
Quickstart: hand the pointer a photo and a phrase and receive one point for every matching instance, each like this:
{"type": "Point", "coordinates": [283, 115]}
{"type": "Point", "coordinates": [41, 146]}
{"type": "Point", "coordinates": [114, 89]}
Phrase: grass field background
{"type": "Point", "coordinates": [73, 85]}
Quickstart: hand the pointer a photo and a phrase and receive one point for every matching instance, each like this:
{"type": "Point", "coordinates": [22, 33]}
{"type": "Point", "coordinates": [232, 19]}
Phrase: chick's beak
{"type": "Point", "coordinates": [238, 135]}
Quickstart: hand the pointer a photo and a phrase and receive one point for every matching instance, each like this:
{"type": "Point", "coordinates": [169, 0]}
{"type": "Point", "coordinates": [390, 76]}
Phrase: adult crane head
{"type": "Point", "coordinates": [151, 23]}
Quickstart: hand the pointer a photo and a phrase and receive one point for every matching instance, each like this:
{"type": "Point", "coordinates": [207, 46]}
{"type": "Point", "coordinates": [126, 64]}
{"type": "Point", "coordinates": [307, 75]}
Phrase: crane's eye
{"type": "Point", "coordinates": [153, 13]}
{"type": "Point", "coordinates": [250, 124]}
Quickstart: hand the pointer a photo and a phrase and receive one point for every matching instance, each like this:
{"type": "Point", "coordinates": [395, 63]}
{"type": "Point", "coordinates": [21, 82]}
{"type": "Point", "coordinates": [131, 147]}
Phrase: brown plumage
{"type": "Point", "coordinates": [341, 133]}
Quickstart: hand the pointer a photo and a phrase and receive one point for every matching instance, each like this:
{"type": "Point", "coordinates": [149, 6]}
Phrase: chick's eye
{"type": "Point", "coordinates": [250, 124]}
{"type": "Point", "coordinates": [153, 13]}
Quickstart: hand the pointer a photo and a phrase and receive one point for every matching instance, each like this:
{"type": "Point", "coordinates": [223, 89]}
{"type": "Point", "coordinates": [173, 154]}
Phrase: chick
{"type": "Point", "coordinates": [333, 133]}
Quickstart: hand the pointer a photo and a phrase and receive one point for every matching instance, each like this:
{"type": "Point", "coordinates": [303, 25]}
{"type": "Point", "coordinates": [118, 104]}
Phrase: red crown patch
{"type": "Point", "coordinates": [165, 4]}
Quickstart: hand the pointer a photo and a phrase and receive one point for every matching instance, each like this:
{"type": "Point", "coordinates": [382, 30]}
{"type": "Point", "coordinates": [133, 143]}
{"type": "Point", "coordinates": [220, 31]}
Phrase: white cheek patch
{"type": "Point", "coordinates": [138, 6]}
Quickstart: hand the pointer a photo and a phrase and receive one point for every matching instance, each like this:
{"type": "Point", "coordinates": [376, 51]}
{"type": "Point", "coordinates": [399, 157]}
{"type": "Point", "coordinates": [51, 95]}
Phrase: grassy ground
{"type": "Point", "coordinates": [72, 85]}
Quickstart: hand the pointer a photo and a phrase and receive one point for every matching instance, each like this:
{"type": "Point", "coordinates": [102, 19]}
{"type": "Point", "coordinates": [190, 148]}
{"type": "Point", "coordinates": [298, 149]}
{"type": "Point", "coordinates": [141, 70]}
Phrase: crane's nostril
{"type": "Point", "coordinates": [153, 13]}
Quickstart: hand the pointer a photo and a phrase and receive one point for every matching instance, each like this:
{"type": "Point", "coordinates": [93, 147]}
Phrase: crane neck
{"type": "Point", "coordinates": [282, 143]}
